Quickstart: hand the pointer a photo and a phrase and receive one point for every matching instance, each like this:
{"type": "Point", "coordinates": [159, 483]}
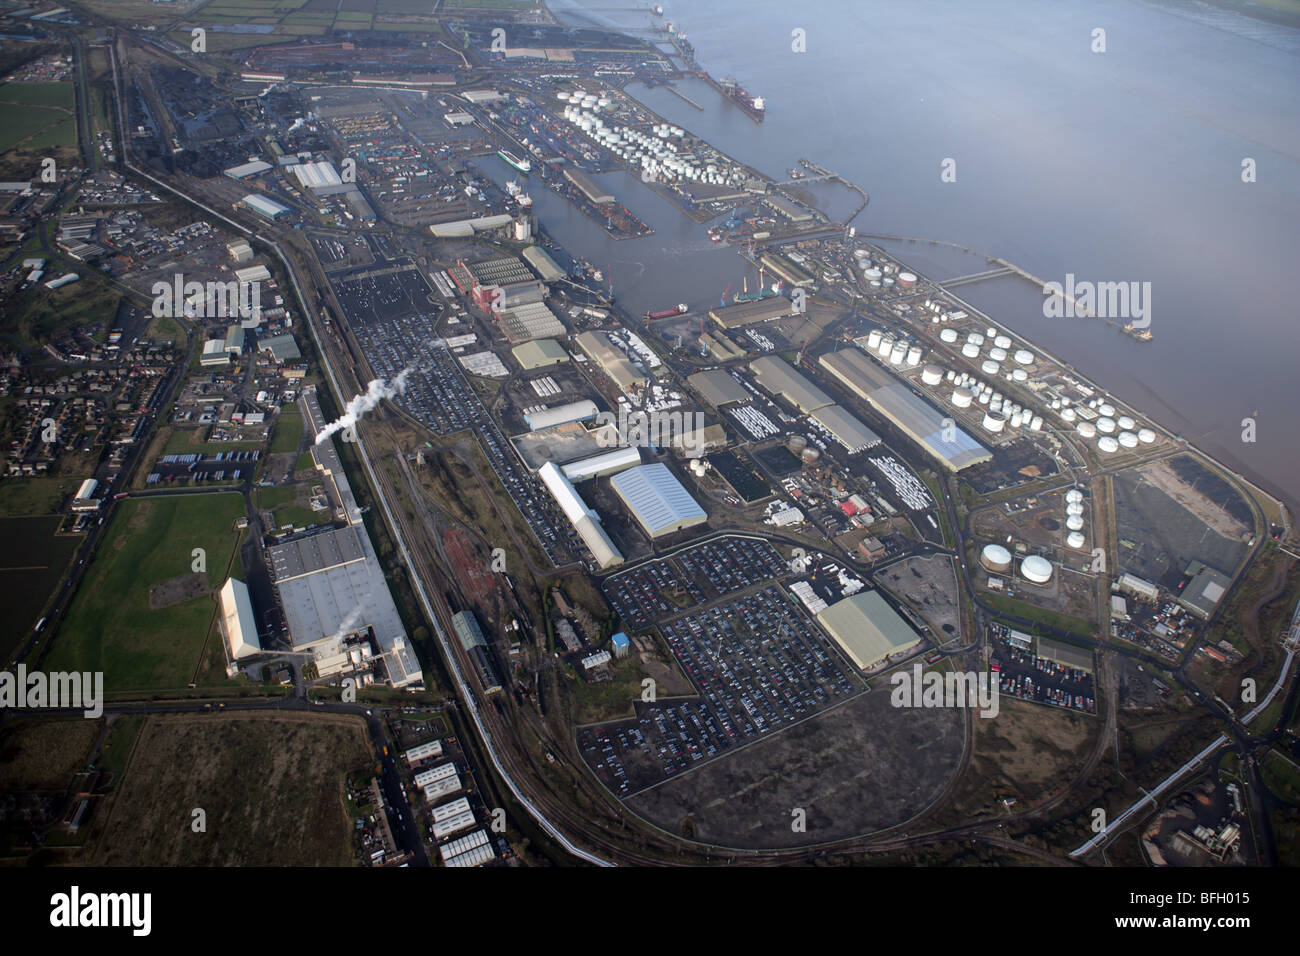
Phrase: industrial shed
{"type": "Point", "coordinates": [614, 363]}
{"type": "Point", "coordinates": [779, 378]}
{"type": "Point", "coordinates": [539, 259]}
{"type": "Point", "coordinates": [539, 353]}
{"type": "Point", "coordinates": [916, 417]}
{"type": "Point", "coordinates": [579, 411]}
{"type": "Point", "coordinates": [657, 499]}
{"type": "Point", "coordinates": [238, 625]}
{"type": "Point", "coordinates": [584, 520]}
{"type": "Point", "coordinates": [845, 429]}
{"type": "Point", "coordinates": [748, 313]}
{"type": "Point", "coordinates": [717, 387]}
{"type": "Point", "coordinates": [867, 629]}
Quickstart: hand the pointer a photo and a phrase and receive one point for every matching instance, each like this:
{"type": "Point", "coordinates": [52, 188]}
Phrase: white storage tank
{"type": "Point", "coordinates": [1107, 444]}
{"type": "Point", "coordinates": [873, 339]}
{"type": "Point", "coordinates": [993, 422]}
{"type": "Point", "coordinates": [1086, 429]}
{"type": "Point", "coordinates": [1074, 522]}
{"type": "Point", "coordinates": [970, 350]}
{"type": "Point", "coordinates": [1036, 423]}
{"type": "Point", "coordinates": [1074, 496]}
{"type": "Point", "coordinates": [1068, 415]}
{"type": "Point", "coordinates": [1146, 435]}
{"type": "Point", "coordinates": [1106, 425]}
{"type": "Point", "coordinates": [932, 375]}
{"type": "Point", "coordinates": [997, 354]}
{"type": "Point", "coordinates": [1024, 357]}
{"type": "Point", "coordinates": [1019, 375]}
{"type": "Point", "coordinates": [1125, 423]}
{"type": "Point", "coordinates": [914, 355]}
{"type": "Point", "coordinates": [962, 397]}
{"type": "Point", "coordinates": [1074, 508]}
{"type": "Point", "coordinates": [950, 335]}
{"type": "Point", "coordinates": [886, 346]}
{"type": "Point", "coordinates": [975, 339]}
{"type": "Point", "coordinates": [897, 354]}
{"type": "Point", "coordinates": [994, 557]}
{"type": "Point", "coordinates": [1002, 341]}
{"type": "Point", "coordinates": [1036, 569]}
{"type": "Point", "coordinates": [1075, 539]}
{"type": "Point", "coordinates": [1128, 439]}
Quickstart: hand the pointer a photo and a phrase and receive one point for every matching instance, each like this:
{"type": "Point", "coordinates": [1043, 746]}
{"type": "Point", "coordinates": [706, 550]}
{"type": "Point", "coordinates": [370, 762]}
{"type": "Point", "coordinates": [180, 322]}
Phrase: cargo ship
{"type": "Point", "coordinates": [752, 105]}
{"type": "Point", "coordinates": [522, 165]}
{"type": "Point", "coordinates": [1142, 335]}
{"type": "Point", "coordinates": [678, 309]}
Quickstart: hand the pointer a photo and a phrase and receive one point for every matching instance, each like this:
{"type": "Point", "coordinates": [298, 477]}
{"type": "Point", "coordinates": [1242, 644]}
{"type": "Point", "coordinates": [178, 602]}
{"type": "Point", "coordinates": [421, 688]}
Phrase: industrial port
{"type": "Point", "coordinates": [574, 577]}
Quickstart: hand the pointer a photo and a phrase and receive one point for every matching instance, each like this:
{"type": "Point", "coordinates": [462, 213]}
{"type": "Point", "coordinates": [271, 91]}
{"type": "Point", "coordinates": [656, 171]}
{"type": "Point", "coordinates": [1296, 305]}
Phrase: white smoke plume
{"type": "Point", "coordinates": [348, 624]}
{"type": "Point", "coordinates": [375, 392]}
{"type": "Point", "coordinates": [297, 124]}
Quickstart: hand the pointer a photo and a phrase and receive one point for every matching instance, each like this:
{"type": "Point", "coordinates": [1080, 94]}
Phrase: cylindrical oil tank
{"type": "Point", "coordinates": [1075, 539]}
{"type": "Point", "coordinates": [1107, 444]}
{"type": "Point", "coordinates": [994, 557]}
{"type": "Point", "coordinates": [932, 375]}
{"type": "Point", "coordinates": [962, 397]}
{"type": "Point", "coordinates": [949, 335]}
{"type": "Point", "coordinates": [1074, 522]}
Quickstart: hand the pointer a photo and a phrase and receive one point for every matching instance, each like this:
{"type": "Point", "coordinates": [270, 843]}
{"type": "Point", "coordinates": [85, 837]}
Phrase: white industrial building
{"type": "Point", "coordinates": [609, 463]}
{"type": "Point", "coordinates": [321, 178]}
{"type": "Point", "coordinates": [445, 787]}
{"type": "Point", "coordinates": [579, 411]}
{"type": "Point", "coordinates": [238, 625]}
{"type": "Point", "coordinates": [657, 499]}
{"type": "Point", "coordinates": [84, 499]}
{"type": "Point", "coordinates": [425, 751]}
{"type": "Point", "coordinates": [441, 772]}
{"type": "Point", "coordinates": [585, 521]}
{"type": "Point", "coordinates": [460, 821]}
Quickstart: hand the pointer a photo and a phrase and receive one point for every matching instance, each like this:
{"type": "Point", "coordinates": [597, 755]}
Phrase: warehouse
{"type": "Point", "coordinates": [539, 353]}
{"type": "Point", "coordinates": [251, 168]}
{"type": "Point", "coordinates": [85, 496]}
{"type": "Point", "coordinates": [612, 462]}
{"type": "Point", "coordinates": [424, 751]}
{"type": "Point", "coordinates": [464, 845]}
{"type": "Point", "coordinates": [792, 211]}
{"type": "Point", "coordinates": [533, 320]}
{"type": "Point", "coordinates": [590, 188]}
{"type": "Point", "coordinates": [749, 313]}
{"type": "Point", "coordinates": [283, 348]}
{"type": "Point", "coordinates": [214, 353]}
{"type": "Point", "coordinates": [264, 207]}
{"type": "Point", "coordinates": [449, 810]}
{"type": "Point", "coordinates": [845, 429]}
{"type": "Point", "coordinates": [238, 625]}
{"type": "Point", "coordinates": [611, 360]}
{"type": "Point", "coordinates": [1204, 589]}
{"type": "Point", "coordinates": [431, 776]}
{"type": "Point", "coordinates": [657, 499]}
{"type": "Point", "coordinates": [580, 411]}
{"type": "Point", "coordinates": [538, 258]}
{"type": "Point", "coordinates": [917, 418]}
{"type": "Point", "coordinates": [321, 179]}
{"type": "Point", "coordinates": [778, 378]}
{"type": "Point", "coordinates": [867, 629]}
{"type": "Point", "coordinates": [786, 269]}
{"type": "Point", "coordinates": [1067, 655]}
{"type": "Point", "coordinates": [718, 387]}
{"type": "Point", "coordinates": [234, 339]}
{"type": "Point", "coordinates": [585, 521]}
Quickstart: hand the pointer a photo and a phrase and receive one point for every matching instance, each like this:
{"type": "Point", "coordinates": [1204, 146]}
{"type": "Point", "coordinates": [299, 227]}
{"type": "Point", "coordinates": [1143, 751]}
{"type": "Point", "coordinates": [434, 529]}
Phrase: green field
{"type": "Point", "coordinates": [111, 626]}
{"type": "Point", "coordinates": [59, 95]}
{"type": "Point", "coordinates": [34, 496]}
{"type": "Point", "coordinates": [36, 115]}
{"type": "Point", "coordinates": [288, 430]}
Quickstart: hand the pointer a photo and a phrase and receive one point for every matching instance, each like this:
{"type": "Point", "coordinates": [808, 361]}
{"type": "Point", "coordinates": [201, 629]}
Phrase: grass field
{"type": "Point", "coordinates": [34, 496]}
{"type": "Point", "coordinates": [288, 430]}
{"type": "Point", "coordinates": [43, 754]}
{"type": "Point", "coordinates": [271, 786]}
{"type": "Point", "coordinates": [111, 626]}
{"type": "Point", "coordinates": [33, 560]}
{"type": "Point", "coordinates": [36, 115]}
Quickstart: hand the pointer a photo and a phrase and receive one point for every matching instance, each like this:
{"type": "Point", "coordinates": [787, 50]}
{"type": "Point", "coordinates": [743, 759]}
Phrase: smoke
{"type": "Point", "coordinates": [375, 392]}
{"type": "Point", "coordinates": [348, 624]}
{"type": "Point", "coordinates": [297, 124]}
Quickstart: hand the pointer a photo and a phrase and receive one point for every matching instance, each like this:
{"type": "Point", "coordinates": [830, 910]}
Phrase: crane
{"type": "Point", "coordinates": [725, 294]}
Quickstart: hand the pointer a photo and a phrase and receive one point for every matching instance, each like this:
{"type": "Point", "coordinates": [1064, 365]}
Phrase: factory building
{"type": "Point", "coordinates": [1136, 585]}
{"type": "Point", "coordinates": [579, 411]}
{"type": "Point", "coordinates": [320, 179]}
{"type": "Point", "coordinates": [264, 207]}
{"type": "Point", "coordinates": [1067, 655]}
{"type": "Point", "coordinates": [792, 211]}
{"type": "Point", "coordinates": [539, 259]}
{"type": "Point", "coordinates": [243, 171]}
{"type": "Point", "coordinates": [84, 499]}
{"type": "Point", "coordinates": [539, 353]}
{"type": "Point", "coordinates": [283, 348]}
{"type": "Point", "coordinates": [1204, 589]}
{"type": "Point", "coordinates": [779, 378]}
{"type": "Point", "coordinates": [234, 339]}
{"type": "Point", "coordinates": [695, 442]}
{"type": "Point", "coordinates": [845, 429]}
{"type": "Point", "coordinates": [425, 751]}
{"type": "Point", "coordinates": [611, 360]}
{"type": "Point", "coordinates": [657, 499]}
{"type": "Point", "coordinates": [531, 320]}
{"type": "Point", "coordinates": [620, 643]}
{"type": "Point", "coordinates": [585, 521]}
{"type": "Point", "coordinates": [914, 416]}
{"type": "Point", "coordinates": [214, 353]}
{"type": "Point", "coordinates": [786, 269]}
{"type": "Point", "coordinates": [718, 387]}
{"type": "Point", "coordinates": [720, 348]}
{"type": "Point", "coordinates": [611, 462]}
{"type": "Point", "coordinates": [238, 625]}
{"type": "Point", "coordinates": [750, 313]}
{"type": "Point", "coordinates": [867, 629]}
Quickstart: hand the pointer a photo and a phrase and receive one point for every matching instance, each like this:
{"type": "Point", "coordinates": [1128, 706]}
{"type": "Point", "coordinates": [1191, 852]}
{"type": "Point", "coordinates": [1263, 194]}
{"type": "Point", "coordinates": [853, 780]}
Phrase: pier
{"type": "Point", "coordinates": [680, 95]}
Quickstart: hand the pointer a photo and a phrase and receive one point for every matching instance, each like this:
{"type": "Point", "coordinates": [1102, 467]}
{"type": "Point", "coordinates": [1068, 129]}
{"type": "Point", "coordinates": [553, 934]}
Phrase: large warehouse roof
{"type": "Point", "coordinates": [539, 353]}
{"type": "Point", "coordinates": [539, 259]}
{"type": "Point", "coordinates": [657, 499]}
{"type": "Point", "coordinates": [607, 464]}
{"type": "Point", "coordinates": [920, 420]}
{"type": "Point", "coordinates": [612, 360]}
{"type": "Point", "coordinates": [779, 378]}
{"type": "Point", "coordinates": [237, 621]}
{"type": "Point", "coordinates": [748, 313]}
{"type": "Point", "coordinates": [718, 387]}
{"type": "Point", "coordinates": [578, 411]}
{"type": "Point", "coordinates": [317, 176]}
{"type": "Point", "coordinates": [583, 519]}
{"type": "Point", "coordinates": [848, 431]}
{"type": "Point", "coordinates": [266, 207]}
{"type": "Point", "coordinates": [314, 553]}
{"type": "Point", "coordinates": [867, 628]}
{"type": "Point", "coordinates": [530, 320]}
